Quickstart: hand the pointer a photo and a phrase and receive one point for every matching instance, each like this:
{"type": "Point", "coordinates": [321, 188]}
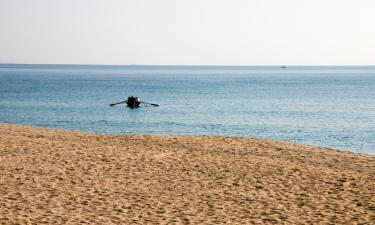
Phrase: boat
{"type": "Point", "coordinates": [134, 102]}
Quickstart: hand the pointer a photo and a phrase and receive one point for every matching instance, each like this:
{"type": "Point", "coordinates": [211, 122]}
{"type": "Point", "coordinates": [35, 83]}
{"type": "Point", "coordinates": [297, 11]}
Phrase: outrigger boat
{"type": "Point", "coordinates": [134, 102]}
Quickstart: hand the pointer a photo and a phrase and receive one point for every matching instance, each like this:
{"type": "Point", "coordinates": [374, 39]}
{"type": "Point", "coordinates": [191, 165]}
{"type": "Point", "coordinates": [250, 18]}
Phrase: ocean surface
{"type": "Point", "coordinates": [324, 106]}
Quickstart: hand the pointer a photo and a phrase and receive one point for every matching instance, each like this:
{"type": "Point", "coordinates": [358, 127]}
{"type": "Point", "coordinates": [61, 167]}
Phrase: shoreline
{"type": "Point", "coordinates": [328, 148]}
{"type": "Point", "coordinates": [60, 176]}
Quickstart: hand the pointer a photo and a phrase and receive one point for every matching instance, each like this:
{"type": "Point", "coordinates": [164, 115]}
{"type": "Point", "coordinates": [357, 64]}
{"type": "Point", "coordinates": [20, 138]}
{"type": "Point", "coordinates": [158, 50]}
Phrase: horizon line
{"type": "Point", "coordinates": [203, 65]}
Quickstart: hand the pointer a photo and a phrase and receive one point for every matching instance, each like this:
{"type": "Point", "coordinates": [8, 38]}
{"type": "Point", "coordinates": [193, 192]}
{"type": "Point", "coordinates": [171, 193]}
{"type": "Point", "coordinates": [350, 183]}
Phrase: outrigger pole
{"type": "Point", "coordinates": [113, 104]}
{"type": "Point", "coordinates": [150, 103]}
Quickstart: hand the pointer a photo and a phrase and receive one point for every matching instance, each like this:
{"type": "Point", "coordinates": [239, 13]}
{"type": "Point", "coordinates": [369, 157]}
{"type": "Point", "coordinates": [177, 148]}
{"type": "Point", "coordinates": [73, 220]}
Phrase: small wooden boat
{"type": "Point", "coordinates": [134, 102]}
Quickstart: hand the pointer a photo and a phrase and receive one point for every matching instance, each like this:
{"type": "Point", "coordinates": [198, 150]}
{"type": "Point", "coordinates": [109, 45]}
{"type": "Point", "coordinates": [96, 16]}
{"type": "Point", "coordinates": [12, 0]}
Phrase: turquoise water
{"type": "Point", "coordinates": [325, 106]}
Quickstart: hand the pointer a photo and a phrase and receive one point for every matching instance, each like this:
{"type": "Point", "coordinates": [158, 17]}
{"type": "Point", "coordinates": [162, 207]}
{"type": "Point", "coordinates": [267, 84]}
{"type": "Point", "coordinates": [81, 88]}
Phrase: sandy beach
{"type": "Point", "coordinates": [68, 177]}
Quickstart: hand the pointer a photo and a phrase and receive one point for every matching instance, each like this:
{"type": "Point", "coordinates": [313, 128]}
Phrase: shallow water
{"type": "Point", "coordinates": [325, 106]}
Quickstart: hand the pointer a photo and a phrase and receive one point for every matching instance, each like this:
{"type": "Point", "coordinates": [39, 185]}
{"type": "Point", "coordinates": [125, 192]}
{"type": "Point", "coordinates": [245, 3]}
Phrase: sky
{"type": "Point", "coordinates": [188, 32]}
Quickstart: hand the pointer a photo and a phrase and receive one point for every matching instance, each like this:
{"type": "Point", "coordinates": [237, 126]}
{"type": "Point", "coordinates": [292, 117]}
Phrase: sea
{"type": "Point", "coordinates": [329, 106]}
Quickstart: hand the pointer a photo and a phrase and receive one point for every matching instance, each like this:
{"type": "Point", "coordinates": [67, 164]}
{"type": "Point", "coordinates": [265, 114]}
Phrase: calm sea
{"type": "Point", "coordinates": [325, 106]}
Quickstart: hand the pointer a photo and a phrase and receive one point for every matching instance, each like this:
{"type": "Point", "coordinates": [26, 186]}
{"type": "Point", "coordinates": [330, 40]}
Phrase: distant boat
{"type": "Point", "coordinates": [283, 67]}
{"type": "Point", "coordinates": [134, 102]}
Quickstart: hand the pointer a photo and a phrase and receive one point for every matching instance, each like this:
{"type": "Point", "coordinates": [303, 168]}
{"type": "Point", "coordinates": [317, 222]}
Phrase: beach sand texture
{"type": "Point", "coordinates": [67, 177]}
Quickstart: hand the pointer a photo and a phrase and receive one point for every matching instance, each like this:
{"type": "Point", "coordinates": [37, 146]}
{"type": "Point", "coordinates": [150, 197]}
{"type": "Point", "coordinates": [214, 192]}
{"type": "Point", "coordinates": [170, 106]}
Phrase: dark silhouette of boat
{"type": "Point", "coordinates": [134, 102]}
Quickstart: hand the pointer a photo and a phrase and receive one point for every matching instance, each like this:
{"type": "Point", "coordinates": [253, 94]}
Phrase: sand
{"type": "Point", "coordinates": [67, 177]}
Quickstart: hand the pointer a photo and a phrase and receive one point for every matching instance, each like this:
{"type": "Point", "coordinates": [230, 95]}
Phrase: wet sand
{"type": "Point", "coordinates": [67, 177]}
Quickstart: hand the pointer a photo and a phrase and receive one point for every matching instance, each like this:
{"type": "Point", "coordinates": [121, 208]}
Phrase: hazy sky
{"type": "Point", "coordinates": [209, 32]}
